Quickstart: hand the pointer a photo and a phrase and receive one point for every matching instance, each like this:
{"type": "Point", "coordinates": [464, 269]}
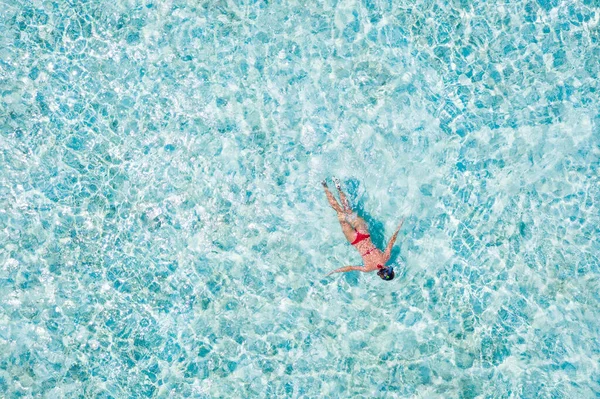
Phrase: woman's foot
{"type": "Point", "coordinates": [337, 182]}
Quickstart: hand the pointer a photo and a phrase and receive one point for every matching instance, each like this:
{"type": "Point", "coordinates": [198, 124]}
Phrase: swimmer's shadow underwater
{"type": "Point", "coordinates": [357, 231]}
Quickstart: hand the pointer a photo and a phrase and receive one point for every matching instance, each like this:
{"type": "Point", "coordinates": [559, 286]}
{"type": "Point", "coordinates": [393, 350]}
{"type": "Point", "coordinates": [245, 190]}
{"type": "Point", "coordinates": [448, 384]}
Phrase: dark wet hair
{"type": "Point", "coordinates": [387, 273]}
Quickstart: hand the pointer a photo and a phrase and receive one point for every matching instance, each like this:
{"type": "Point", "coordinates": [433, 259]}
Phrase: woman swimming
{"type": "Point", "coordinates": [356, 231]}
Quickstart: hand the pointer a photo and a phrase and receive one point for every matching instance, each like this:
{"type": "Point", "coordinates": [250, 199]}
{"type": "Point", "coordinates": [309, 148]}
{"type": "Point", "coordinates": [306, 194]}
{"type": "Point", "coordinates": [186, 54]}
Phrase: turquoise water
{"type": "Point", "coordinates": [163, 232]}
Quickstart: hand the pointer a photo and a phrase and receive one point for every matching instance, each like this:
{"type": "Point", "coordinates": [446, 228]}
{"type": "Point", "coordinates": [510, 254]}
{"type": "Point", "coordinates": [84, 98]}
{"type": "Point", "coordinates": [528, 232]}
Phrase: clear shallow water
{"type": "Point", "coordinates": [163, 232]}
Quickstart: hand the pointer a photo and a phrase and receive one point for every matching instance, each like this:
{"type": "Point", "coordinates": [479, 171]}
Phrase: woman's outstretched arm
{"type": "Point", "coordinates": [388, 249]}
{"type": "Point", "coordinates": [347, 269]}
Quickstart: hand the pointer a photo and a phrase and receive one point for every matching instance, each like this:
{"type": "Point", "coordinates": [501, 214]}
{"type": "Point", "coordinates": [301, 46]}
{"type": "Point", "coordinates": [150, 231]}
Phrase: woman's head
{"type": "Point", "coordinates": [386, 273]}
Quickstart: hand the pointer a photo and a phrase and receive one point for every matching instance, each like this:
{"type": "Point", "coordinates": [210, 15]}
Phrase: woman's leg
{"type": "Point", "coordinates": [359, 224]}
{"type": "Point", "coordinates": [351, 225]}
{"type": "Point", "coordinates": [353, 219]}
{"type": "Point", "coordinates": [343, 198]}
{"type": "Point", "coordinates": [332, 201]}
{"type": "Point", "coordinates": [347, 229]}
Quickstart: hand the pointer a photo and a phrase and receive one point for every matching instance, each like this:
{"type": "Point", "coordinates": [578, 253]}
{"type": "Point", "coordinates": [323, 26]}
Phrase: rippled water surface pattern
{"type": "Point", "coordinates": [163, 231]}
